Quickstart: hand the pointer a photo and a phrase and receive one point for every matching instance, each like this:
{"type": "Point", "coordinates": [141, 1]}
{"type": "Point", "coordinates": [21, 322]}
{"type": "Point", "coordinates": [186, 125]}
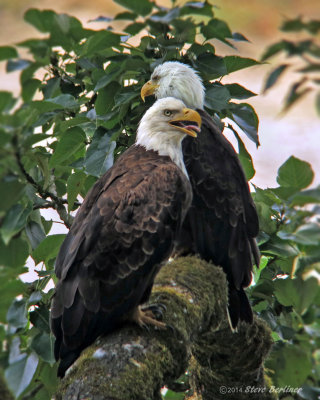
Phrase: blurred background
{"type": "Point", "coordinates": [295, 133]}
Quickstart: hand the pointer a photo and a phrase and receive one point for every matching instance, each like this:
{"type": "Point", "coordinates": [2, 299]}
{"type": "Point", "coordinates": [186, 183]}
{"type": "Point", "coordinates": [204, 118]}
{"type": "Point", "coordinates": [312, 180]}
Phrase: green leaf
{"type": "Point", "coordinates": [7, 52]}
{"type": "Point", "coordinates": [99, 157]}
{"type": "Point", "coordinates": [62, 102]}
{"type": "Point", "coordinates": [42, 344]}
{"type": "Point", "coordinates": [75, 184]}
{"type": "Point", "coordinates": [308, 234]}
{"type": "Point", "coordinates": [245, 158]}
{"type": "Point", "coordinates": [9, 289]}
{"type": "Point", "coordinates": [34, 298]}
{"type": "Point", "coordinates": [235, 63]}
{"type": "Point", "coordinates": [246, 118]}
{"type": "Point", "coordinates": [274, 76]}
{"type": "Point", "coordinates": [292, 25]}
{"type": "Point", "coordinates": [112, 72]}
{"type": "Point", "coordinates": [217, 29]}
{"type": "Point", "coordinates": [297, 25]}
{"type": "Point", "coordinates": [217, 97]}
{"type": "Point", "coordinates": [14, 254]}
{"type": "Point", "coordinates": [51, 88]}
{"type": "Point", "coordinates": [197, 8]}
{"type": "Point", "coordinates": [295, 173]}
{"type": "Point", "coordinates": [306, 197]}
{"type": "Point", "coordinates": [239, 92]}
{"type": "Point", "coordinates": [6, 101]}
{"type": "Point", "coordinates": [66, 101]}
{"type": "Point", "coordinates": [211, 66]}
{"type": "Point", "coordinates": [11, 190]}
{"type": "Point", "coordinates": [48, 376]}
{"type": "Point", "coordinates": [34, 138]}
{"type": "Point", "coordinates": [48, 249]}
{"type": "Point", "coordinates": [4, 138]}
{"type": "Point", "coordinates": [29, 88]}
{"type": "Point", "coordinates": [296, 92]}
{"type": "Point", "coordinates": [275, 49]}
{"type": "Point", "coordinates": [166, 18]}
{"type": "Point", "coordinates": [17, 314]}
{"type": "Point", "coordinates": [141, 7]}
{"type": "Point", "coordinates": [279, 248]}
{"type": "Point", "coordinates": [17, 65]}
{"type": "Point", "coordinates": [125, 97]}
{"type": "Point", "coordinates": [239, 37]}
{"type": "Point", "coordinates": [105, 98]}
{"type": "Point", "coordinates": [171, 395]}
{"type": "Point", "coordinates": [99, 42]}
{"type": "Point", "coordinates": [312, 67]}
{"type": "Point", "coordinates": [35, 233]}
{"type": "Point", "coordinates": [40, 318]}
{"type": "Point", "coordinates": [308, 392]}
{"type": "Point", "coordinates": [291, 365]}
{"type": "Point", "coordinates": [20, 374]}
{"type": "Point", "coordinates": [297, 292]}
{"type": "Point", "coordinates": [126, 16]}
{"type": "Point", "coordinates": [70, 143]}
{"type": "Point", "coordinates": [134, 28]}
{"type": "Point", "coordinates": [41, 20]}
{"type": "Point", "coordinates": [14, 221]}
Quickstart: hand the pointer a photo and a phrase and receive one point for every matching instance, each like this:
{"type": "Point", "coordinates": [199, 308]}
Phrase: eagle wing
{"type": "Point", "coordinates": [124, 230]}
{"type": "Point", "coordinates": [222, 220]}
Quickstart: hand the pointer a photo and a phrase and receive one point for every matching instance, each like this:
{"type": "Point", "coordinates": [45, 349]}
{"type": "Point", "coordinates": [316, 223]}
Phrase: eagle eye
{"type": "Point", "coordinates": [167, 113]}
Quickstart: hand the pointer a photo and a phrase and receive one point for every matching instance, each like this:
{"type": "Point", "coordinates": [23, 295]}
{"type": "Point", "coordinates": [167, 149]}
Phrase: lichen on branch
{"type": "Point", "coordinates": [133, 363]}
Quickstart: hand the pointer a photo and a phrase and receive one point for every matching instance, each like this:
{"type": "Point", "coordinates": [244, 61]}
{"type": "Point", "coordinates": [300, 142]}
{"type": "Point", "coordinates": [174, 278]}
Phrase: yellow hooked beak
{"type": "Point", "coordinates": [188, 121]}
{"type": "Point", "coordinates": [148, 89]}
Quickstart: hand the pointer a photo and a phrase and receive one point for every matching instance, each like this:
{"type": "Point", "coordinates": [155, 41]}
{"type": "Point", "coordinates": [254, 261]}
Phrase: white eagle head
{"type": "Point", "coordinates": [175, 79]}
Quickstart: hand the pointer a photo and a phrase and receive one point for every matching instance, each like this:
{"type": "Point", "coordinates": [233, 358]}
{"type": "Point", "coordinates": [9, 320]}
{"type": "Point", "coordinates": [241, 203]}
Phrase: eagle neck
{"type": "Point", "coordinates": [167, 148]}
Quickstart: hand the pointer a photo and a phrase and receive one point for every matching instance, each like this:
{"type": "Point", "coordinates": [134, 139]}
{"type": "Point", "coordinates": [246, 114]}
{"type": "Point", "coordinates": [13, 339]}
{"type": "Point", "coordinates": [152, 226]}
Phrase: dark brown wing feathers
{"type": "Point", "coordinates": [122, 233]}
{"type": "Point", "coordinates": [222, 220]}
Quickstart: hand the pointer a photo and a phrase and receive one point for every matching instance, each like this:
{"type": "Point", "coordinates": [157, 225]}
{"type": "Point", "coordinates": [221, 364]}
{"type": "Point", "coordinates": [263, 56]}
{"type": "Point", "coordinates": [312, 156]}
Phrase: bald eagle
{"type": "Point", "coordinates": [222, 223]}
{"type": "Point", "coordinates": [124, 231]}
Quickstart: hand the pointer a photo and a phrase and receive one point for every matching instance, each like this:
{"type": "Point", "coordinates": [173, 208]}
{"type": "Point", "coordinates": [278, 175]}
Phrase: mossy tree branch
{"type": "Point", "coordinates": [133, 364]}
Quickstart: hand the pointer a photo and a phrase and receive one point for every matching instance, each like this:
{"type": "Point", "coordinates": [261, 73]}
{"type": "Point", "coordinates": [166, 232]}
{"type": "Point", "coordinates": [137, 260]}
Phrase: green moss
{"type": "Point", "coordinates": [234, 360]}
{"type": "Point", "coordinates": [139, 379]}
{"type": "Point", "coordinates": [195, 294]}
{"type": "Point", "coordinates": [135, 382]}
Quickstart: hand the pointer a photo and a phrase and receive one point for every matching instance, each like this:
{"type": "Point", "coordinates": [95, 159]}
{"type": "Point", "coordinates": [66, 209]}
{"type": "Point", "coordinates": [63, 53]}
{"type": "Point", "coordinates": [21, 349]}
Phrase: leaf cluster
{"type": "Point", "coordinates": [302, 57]}
{"type": "Point", "coordinates": [286, 292]}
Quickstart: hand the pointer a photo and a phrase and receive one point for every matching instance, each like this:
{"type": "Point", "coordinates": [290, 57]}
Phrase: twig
{"type": "Point", "coordinates": [57, 203]}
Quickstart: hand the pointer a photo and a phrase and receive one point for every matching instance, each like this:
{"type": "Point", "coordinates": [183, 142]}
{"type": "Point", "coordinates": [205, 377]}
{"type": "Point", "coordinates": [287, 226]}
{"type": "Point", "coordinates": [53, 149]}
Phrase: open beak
{"type": "Point", "coordinates": [188, 121]}
{"type": "Point", "coordinates": [148, 89]}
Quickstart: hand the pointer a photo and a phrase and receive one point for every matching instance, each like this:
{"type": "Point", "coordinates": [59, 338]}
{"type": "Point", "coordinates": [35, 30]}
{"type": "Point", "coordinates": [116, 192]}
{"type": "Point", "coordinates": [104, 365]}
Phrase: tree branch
{"type": "Point", "coordinates": [57, 203]}
{"type": "Point", "coordinates": [133, 364]}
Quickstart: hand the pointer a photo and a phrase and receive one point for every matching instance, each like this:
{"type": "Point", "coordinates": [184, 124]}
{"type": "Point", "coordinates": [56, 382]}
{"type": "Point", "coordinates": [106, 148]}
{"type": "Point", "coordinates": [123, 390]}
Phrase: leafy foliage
{"type": "Point", "coordinates": [286, 293]}
{"type": "Point", "coordinates": [78, 110]}
{"type": "Point", "coordinates": [305, 55]}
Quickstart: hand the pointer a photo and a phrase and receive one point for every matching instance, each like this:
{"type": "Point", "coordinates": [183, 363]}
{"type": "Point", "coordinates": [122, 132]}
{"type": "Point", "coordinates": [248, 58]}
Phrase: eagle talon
{"type": "Point", "coordinates": [146, 317]}
{"type": "Point", "coordinates": [156, 310]}
{"type": "Point", "coordinates": [172, 329]}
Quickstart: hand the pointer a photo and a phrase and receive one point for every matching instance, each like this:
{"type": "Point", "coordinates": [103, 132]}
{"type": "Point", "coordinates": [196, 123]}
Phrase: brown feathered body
{"type": "Point", "coordinates": [124, 231]}
{"type": "Point", "coordinates": [222, 223]}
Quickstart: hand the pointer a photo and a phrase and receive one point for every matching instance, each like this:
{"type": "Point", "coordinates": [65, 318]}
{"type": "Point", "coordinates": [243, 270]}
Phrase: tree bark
{"type": "Point", "coordinates": [134, 363]}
